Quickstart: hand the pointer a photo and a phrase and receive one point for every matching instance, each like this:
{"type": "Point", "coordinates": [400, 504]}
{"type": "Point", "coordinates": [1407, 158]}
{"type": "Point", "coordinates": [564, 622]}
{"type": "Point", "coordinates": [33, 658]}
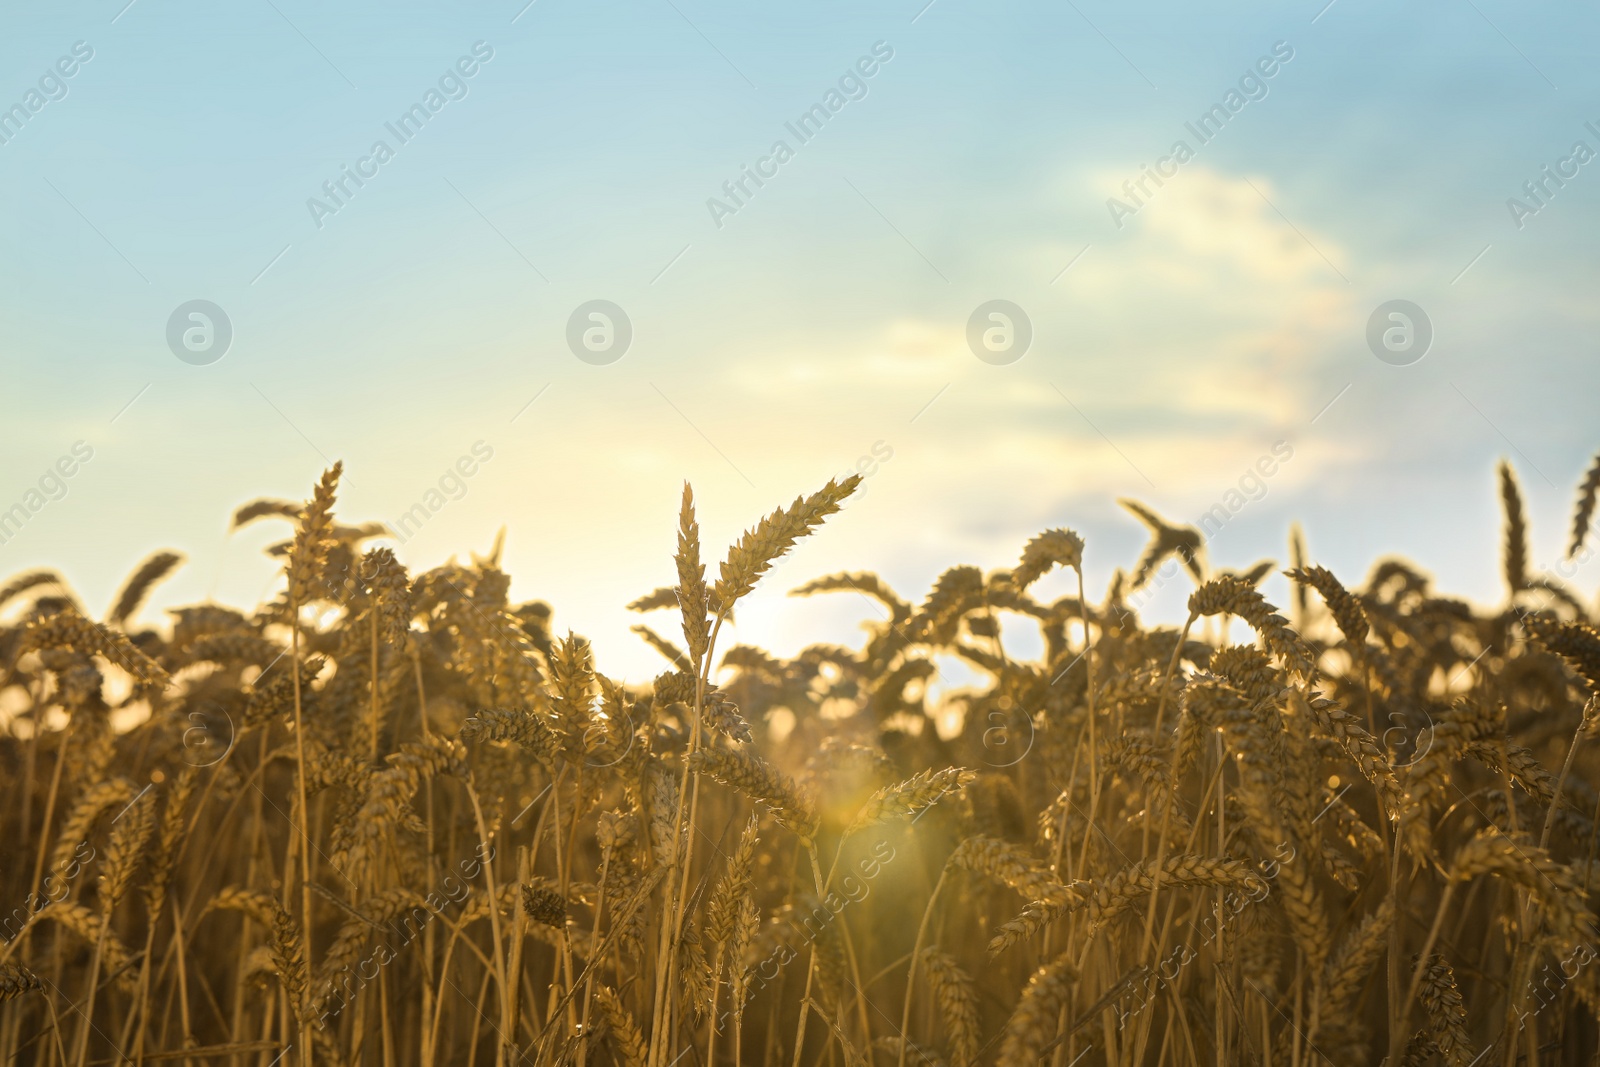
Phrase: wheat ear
{"type": "Point", "coordinates": [1515, 560]}
{"type": "Point", "coordinates": [1034, 1023]}
{"type": "Point", "coordinates": [1588, 491]}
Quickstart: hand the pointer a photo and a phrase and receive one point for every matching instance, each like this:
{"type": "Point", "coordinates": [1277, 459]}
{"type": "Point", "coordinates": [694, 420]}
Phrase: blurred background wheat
{"type": "Point", "coordinates": [397, 819]}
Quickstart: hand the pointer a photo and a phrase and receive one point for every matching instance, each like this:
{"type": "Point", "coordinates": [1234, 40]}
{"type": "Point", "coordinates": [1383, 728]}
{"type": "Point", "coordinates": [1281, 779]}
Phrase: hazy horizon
{"type": "Point", "coordinates": [783, 330]}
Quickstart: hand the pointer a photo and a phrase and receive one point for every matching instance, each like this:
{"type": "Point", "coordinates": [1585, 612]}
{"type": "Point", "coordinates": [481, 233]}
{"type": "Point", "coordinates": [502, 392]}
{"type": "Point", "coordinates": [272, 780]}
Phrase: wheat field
{"type": "Point", "coordinates": [397, 819]}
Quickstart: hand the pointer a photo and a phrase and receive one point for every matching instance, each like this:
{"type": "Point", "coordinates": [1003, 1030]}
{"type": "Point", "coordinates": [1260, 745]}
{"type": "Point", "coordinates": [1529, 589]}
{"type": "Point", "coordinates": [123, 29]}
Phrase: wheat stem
{"type": "Point", "coordinates": [1397, 1038]}
{"type": "Point", "coordinates": [306, 1050]}
{"type": "Point", "coordinates": [911, 968]}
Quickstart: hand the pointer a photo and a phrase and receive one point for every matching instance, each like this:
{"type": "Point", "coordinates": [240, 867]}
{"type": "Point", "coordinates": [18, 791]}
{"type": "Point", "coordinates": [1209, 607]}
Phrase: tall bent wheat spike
{"type": "Point", "coordinates": [773, 536]}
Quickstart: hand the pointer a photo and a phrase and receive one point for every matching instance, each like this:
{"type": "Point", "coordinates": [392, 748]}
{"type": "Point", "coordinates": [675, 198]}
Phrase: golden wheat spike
{"type": "Point", "coordinates": [544, 905]}
{"type": "Point", "coordinates": [864, 582]}
{"type": "Point", "coordinates": [1576, 642]}
{"type": "Point", "coordinates": [728, 898]}
{"type": "Point", "coordinates": [774, 535]}
{"type": "Point", "coordinates": [572, 688]}
{"type": "Point", "coordinates": [252, 902]}
{"type": "Point", "coordinates": [1331, 720]}
{"type": "Point", "coordinates": [1298, 560]}
{"type": "Point", "coordinates": [957, 997]}
{"type": "Point", "coordinates": [1583, 512]}
{"type": "Point", "coordinates": [624, 1032]}
{"type": "Point", "coordinates": [168, 838]}
{"type": "Point", "coordinates": [1345, 606]}
{"type": "Point", "coordinates": [1035, 1022]}
{"type": "Point", "coordinates": [674, 655]}
{"type": "Point", "coordinates": [512, 724]}
{"type": "Point", "coordinates": [130, 831]}
{"type": "Point", "coordinates": [289, 958]}
{"type": "Point", "coordinates": [1554, 885]}
{"type": "Point", "coordinates": [1515, 560]}
{"type": "Point", "coordinates": [312, 539]}
{"type": "Point", "coordinates": [1186, 542]}
{"type": "Point", "coordinates": [1354, 959]}
{"type": "Point", "coordinates": [1153, 522]}
{"type": "Point", "coordinates": [759, 780]}
{"type": "Point", "coordinates": [139, 584]}
{"type": "Point", "coordinates": [1297, 892]}
{"type": "Point", "coordinates": [1447, 1014]}
{"type": "Point", "coordinates": [659, 806]}
{"type": "Point", "coordinates": [1010, 865]}
{"type": "Point", "coordinates": [264, 508]}
{"type": "Point", "coordinates": [910, 798]}
{"type": "Point", "coordinates": [1234, 596]}
{"type": "Point", "coordinates": [17, 981]}
{"type": "Point", "coordinates": [24, 582]}
{"type": "Point", "coordinates": [94, 930]}
{"type": "Point", "coordinates": [98, 798]}
{"type": "Point", "coordinates": [68, 629]}
{"type": "Point", "coordinates": [1057, 547]}
{"type": "Point", "coordinates": [665, 596]}
{"type": "Point", "coordinates": [1122, 890]}
{"type": "Point", "coordinates": [957, 591]}
{"type": "Point", "coordinates": [1034, 917]}
{"type": "Point", "coordinates": [691, 590]}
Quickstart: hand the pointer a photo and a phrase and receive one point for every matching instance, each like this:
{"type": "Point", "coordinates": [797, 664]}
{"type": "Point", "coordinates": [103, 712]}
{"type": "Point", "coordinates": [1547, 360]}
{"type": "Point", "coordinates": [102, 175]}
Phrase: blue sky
{"type": "Point", "coordinates": [821, 319]}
